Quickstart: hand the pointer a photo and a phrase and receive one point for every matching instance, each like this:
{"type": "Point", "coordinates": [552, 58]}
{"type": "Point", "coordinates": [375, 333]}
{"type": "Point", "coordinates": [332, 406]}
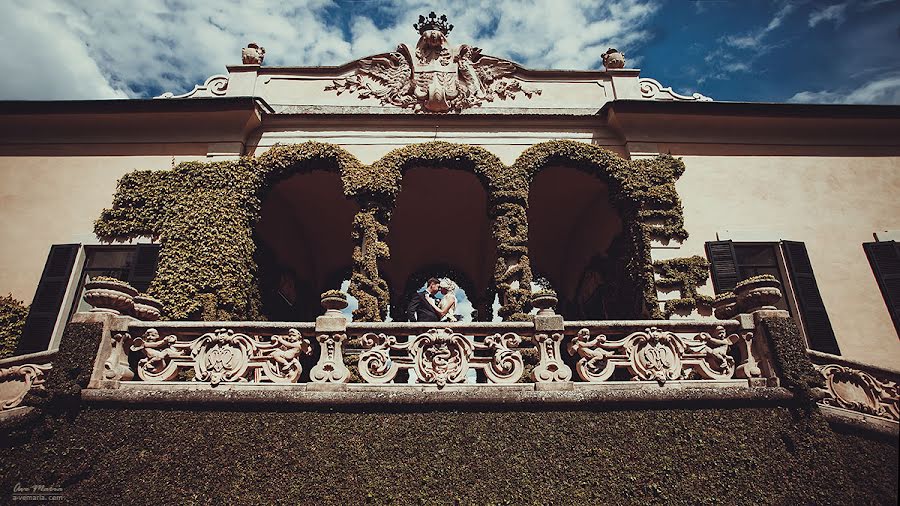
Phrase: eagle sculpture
{"type": "Point", "coordinates": [436, 78]}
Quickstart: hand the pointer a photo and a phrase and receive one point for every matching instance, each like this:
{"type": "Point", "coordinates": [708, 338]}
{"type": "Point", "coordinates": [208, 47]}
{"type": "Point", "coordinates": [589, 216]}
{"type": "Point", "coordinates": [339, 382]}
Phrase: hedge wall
{"type": "Point", "coordinates": [708, 455]}
{"type": "Point", "coordinates": [204, 215]}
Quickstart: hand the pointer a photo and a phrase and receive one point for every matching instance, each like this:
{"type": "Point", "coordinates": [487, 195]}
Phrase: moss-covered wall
{"type": "Point", "coordinates": [690, 455]}
{"type": "Point", "coordinates": [204, 214]}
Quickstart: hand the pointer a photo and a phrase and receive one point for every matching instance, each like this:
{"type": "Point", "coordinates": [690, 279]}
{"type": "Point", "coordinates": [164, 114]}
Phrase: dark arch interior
{"type": "Point", "coordinates": [304, 244]}
{"type": "Point", "coordinates": [575, 241]}
{"type": "Point", "coordinates": [440, 218]}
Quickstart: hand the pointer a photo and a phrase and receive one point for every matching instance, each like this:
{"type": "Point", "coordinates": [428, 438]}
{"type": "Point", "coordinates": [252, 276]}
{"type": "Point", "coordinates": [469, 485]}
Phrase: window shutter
{"type": "Point", "coordinates": [723, 264]}
{"type": "Point", "coordinates": [816, 323]}
{"type": "Point", "coordinates": [48, 299]}
{"type": "Point", "coordinates": [145, 258]}
{"type": "Point", "coordinates": [885, 260]}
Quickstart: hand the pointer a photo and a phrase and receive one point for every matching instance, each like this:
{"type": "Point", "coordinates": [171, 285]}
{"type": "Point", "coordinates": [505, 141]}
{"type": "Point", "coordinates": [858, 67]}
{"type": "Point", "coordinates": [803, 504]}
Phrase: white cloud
{"type": "Point", "coordinates": [831, 13]}
{"type": "Point", "coordinates": [884, 90]}
{"type": "Point", "coordinates": [45, 59]}
{"type": "Point", "coordinates": [67, 49]}
{"type": "Point", "coordinates": [754, 39]}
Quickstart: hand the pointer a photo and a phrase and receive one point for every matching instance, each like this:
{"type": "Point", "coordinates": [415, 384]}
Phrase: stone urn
{"type": "Point", "coordinates": [253, 54]}
{"type": "Point", "coordinates": [109, 295]}
{"type": "Point", "coordinates": [334, 301]}
{"type": "Point", "coordinates": [758, 293]}
{"type": "Point", "coordinates": [725, 306]}
{"type": "Point", "coordinates": [613, 59]}
{"type": "Point", "coordinates": [545, 301]}
{"type": "Point", "coordinates": [146, 308]}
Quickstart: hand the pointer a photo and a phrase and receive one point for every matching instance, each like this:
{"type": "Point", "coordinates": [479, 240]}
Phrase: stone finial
{"type": "Point", "coordinates": [253, 54]}
{"type": "Point", "coordinates": [613, 59]}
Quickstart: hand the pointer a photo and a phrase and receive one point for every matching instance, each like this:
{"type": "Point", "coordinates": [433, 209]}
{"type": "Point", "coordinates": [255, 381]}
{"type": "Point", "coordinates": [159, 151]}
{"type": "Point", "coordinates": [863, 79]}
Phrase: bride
{"type": "Point", "coordinates": [447, 307]}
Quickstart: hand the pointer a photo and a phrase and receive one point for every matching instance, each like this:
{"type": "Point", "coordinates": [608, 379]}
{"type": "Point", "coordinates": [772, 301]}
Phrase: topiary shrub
{"type": "Point", "coordinates": [13, 313]}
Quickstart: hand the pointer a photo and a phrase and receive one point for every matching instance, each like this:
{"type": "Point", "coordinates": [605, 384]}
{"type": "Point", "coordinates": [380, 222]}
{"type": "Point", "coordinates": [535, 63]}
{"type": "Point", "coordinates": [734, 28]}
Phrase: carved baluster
{"type": "Point", "coordinates": [330, 368]}
{"type": "Point", "coordinates": [549, 335]}
{"type": "Point", "coordinates": [551, 367]}
{"type": "Point", "coordinates": [331, 327]}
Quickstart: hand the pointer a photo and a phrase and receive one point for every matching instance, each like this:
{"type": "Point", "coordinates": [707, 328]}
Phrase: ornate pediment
{"type": "Point", "coordinates": [437, 77]}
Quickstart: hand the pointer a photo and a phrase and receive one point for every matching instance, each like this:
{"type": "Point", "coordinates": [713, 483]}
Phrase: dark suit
{"type": "Point", "coordinates": [420, 310]}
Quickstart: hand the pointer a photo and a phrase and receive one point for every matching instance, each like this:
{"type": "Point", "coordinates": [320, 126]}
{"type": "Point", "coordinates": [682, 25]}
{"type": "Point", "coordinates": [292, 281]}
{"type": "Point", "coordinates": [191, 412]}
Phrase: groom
{"type": "Point", "coordinates": [420, 309]}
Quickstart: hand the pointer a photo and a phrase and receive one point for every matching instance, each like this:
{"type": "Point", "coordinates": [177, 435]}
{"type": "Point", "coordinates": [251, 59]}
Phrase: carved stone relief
{"type": "Point", "coordinates": [857, 390]}
{"type": "Point", "coordinates": [222, 356]}
{"type": "Point", "coordinates": [436, 77]}
{"type": "Point", "coordinates": [17, 380]}
{"type": "Point", "coordinates": [655, 355]}
{"type": "Point", "coordinates": [441, 356]}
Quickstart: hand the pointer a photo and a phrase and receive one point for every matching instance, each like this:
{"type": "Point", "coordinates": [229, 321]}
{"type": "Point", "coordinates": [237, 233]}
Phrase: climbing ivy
{"type": "Point", "coordinates": [204, 215]}
{"type": "Point", "coordinates": [684, 275]}
{"type": "Point", "coordinates": [12, 320]}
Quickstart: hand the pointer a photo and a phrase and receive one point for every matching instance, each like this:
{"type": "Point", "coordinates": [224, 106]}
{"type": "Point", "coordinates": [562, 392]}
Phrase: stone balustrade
{"type": "Point", "coordinates": [857, 387]}
{"type": "Point", "coordinates": [546, 351]}
{"type": "Point", "coordinates": [18, 375]}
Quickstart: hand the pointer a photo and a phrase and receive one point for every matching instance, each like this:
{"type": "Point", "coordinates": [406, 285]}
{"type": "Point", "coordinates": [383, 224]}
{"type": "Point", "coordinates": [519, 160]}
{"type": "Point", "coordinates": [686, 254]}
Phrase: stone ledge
{"type": "Point", "coordinates": [15, 416]}
{"type": "Point", "coordinates": [861, 421]}
{"type": "Point", "coordinates": [301, 396]}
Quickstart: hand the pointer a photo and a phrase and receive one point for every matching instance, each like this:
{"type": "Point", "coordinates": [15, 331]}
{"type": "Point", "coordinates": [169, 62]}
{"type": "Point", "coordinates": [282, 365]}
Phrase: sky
{"type": "Point", "coordinates": [815, 51]}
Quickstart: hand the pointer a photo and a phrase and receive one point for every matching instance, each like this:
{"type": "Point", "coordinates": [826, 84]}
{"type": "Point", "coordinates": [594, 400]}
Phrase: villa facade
{"type": "Point", "coordinates": [597, 221]}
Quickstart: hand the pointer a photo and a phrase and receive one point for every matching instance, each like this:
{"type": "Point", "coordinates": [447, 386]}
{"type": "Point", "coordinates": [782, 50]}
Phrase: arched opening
{"type": "Point", "coordinates": [440, 227]}
{"type": "Point", "coordinates": [303, 244]}
{"type": "Point", "coordinates": [576, 244]}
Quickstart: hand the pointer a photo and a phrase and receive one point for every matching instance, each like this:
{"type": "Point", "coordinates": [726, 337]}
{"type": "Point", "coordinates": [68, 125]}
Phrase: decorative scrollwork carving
{"type": "Point", "coordinates": [222, 356]}
{"type": "Point", "coordinates": [375, 364]}
{"type": "Point", "coordinates": [594, 364]}
{"type": "Point", "coordinates": [858, 390]}
{"type": "Point", "coordinates": [441, 356]}
{"type": "Point", "coordinates": [653, 90]}
{"type": "Point", "coordinates": [655, 355]}
{"type": "Point", "coordinates": [215, 86]}
{"type": "Point", "coordinates": [507, 364]}
{"type": "Point", "coordinates": [18, 380]}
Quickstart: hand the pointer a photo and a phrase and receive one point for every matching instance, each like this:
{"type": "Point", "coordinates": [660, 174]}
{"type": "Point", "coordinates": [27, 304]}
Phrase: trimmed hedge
{"type": "Point", "coordinates": [762, 455]}
{"type": "Point", "coordinates": [13, 313]}
{"type": "Point", "coordinates": [679, 456]}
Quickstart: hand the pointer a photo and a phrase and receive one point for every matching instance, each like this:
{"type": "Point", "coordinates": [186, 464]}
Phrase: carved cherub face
{"type": "Point", "coordinates": [151, 335]}
{"type": "Point", "coordinates": [294, 335]}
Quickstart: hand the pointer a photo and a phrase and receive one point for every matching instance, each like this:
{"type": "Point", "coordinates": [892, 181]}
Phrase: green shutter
{"type": "Point", "coordinates": [884, 257]}
{"type": "Point", "coordinates": [48, 299]}
{"type": "Point", "coordinates": [723, 265]}
{"type": "Point", "coordinates": [815, 319]}
{"type": "Point", "coordinates": [144, 270]}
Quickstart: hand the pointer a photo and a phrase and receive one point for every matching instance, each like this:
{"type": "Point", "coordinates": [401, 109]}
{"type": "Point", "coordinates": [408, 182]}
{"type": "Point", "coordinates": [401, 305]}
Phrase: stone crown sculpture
{"type": "Point", "coordinates": [432, 22]}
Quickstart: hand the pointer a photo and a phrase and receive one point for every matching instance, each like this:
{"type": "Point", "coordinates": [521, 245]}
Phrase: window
{"type": "Point", "coordinates": [787, 261]}
{"type": "Point", "coordinates": [62, 284]}
{"type": "Point", "coordinates": [884, 257]}
{"type": "Point", "coordinates": [133, 264]}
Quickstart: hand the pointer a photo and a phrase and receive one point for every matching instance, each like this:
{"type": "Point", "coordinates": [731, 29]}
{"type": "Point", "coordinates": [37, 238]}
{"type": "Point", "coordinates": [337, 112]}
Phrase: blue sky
{"type": "Point", "coordinates": [738, 50]}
